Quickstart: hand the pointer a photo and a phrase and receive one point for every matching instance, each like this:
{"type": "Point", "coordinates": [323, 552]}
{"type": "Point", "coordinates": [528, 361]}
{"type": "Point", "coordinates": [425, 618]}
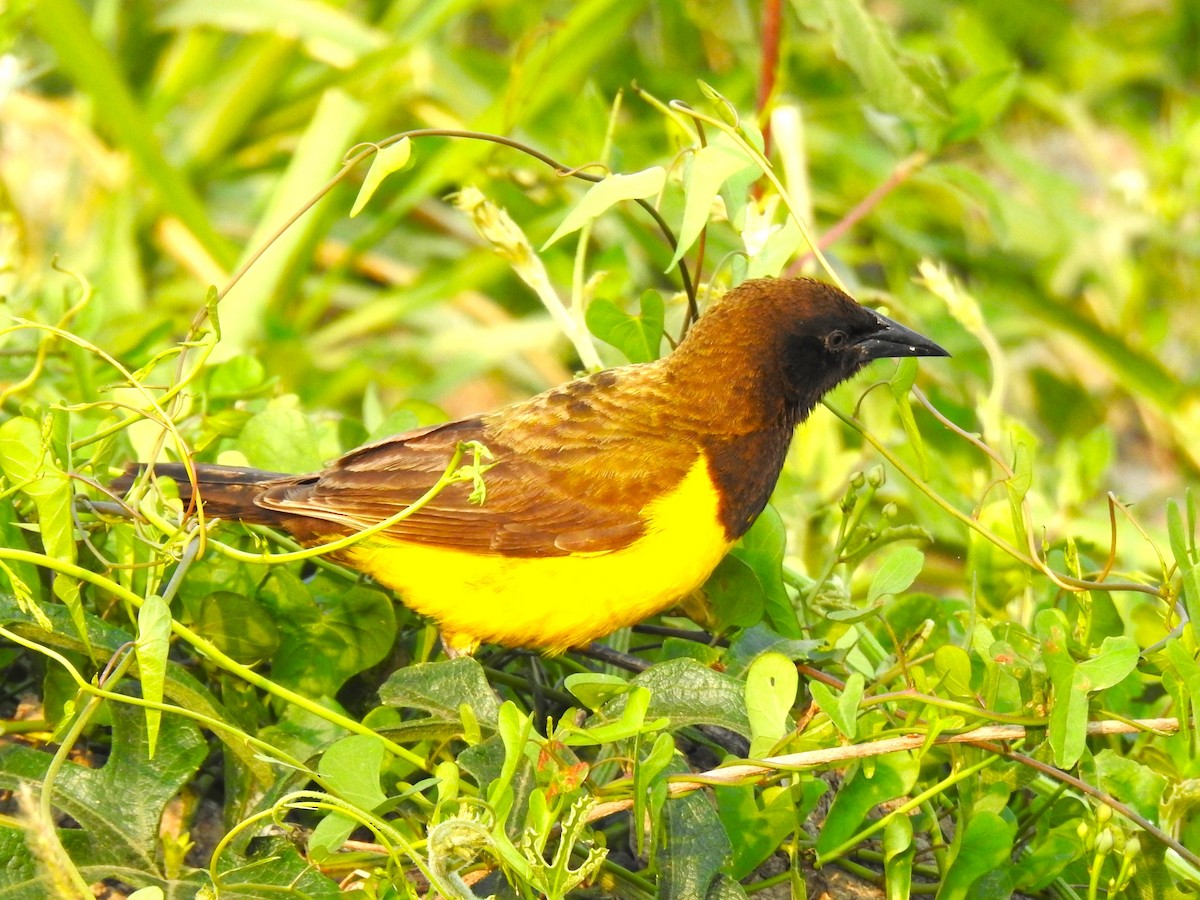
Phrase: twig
{"type": "Point", "coordinates": [903, 171]}
{"type": "Point", "coordinates": [739, 774]}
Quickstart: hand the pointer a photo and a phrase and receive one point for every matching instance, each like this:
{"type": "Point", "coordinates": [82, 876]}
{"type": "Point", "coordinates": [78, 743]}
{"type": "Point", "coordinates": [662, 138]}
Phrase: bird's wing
{"type": "Point", "coordinates": [576, 481]}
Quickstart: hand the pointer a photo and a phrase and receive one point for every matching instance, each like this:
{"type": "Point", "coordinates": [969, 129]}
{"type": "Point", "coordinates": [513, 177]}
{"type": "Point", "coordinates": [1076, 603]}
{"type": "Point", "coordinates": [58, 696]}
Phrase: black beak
{"type": "Point", "coordinates": [893, 339]}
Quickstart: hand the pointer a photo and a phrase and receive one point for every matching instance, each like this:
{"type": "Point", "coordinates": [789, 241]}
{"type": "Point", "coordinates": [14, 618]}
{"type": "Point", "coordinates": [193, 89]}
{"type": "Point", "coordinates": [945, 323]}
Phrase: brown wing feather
{"type": "Point", "coordinates": [573, 470]}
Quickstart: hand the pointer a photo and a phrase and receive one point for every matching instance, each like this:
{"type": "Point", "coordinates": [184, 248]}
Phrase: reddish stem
{"type": "Point", "coordinates": [771, 21]}
{"type": "Point", "coordinates": [900, 174]}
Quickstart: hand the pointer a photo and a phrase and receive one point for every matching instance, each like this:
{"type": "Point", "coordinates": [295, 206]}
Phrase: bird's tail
{"type": "Point", "coordinates": [228, 492]}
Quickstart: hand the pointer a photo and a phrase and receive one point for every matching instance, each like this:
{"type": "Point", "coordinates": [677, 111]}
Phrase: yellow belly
{"type": "Point", "coordinates": [559, 602]}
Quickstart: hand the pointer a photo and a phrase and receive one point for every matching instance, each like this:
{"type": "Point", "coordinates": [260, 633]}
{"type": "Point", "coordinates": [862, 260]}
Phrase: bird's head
{"type": "Point", "coordinates": [796, 339]}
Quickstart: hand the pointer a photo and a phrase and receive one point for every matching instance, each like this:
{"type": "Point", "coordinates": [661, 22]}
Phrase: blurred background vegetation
{"type": "Point", "coordinates": [1021, 181]}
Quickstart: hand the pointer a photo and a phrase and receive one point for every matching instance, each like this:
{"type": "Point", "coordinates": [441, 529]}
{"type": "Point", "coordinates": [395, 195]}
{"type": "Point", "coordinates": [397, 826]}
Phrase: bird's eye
{"type": "Point", "coordinates": [836, 340]}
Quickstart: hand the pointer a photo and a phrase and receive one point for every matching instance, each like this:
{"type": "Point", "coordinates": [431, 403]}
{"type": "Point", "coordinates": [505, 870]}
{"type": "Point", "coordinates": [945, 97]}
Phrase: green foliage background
{"type": "Point", "coordinates": [1020, 181]}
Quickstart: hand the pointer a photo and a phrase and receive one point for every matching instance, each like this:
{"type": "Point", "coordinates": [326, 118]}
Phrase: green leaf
{"type": "Point", "coordinates": [350, 769]}
{"type": "Point", "coordinates": [328, 632]}
{"type": "Point", "coordinates": [762, 549]}
{"type": "Point", "coordinates": [893, 775]}
{"type": "Point", "coordinates": [281, 439]}
{"type": "Point", "coordinates": [1018, 486]}
{"type": "Point", "coordinates": [708, 169]}
{"type": "Point", "coordinates": [649, 782]}
{"type": "Point", "coordinates": [895, 83]}
{"type": "Point", "coordinates": [898, 853]}
{"type": "Point", "coordinates": [897, 573]}
{"type": "Point", "coordinates": [954, 665]}
{"type": "Point", "coordinates": [153, 644]}
{"type": "Point", "coordinates": [118, 808]}
{"type": "Point", "coordinates": [331, 128]}
{"type": "Point", "coordinates": [638, 337]}
{"type": "Point", "coordinates": [607, 193]}
{"type": "Point", "coordinates": [386, 161]}
{"type": "Point", "coordinates": [1133, 782]}
{"type": "Point", "coordinates": [690, 694]}
{"type": "Point", "coordinates": [594, 689]}
{"type": "Point", "coordinates": [842, 708]}
{"type": "Point", "coordinates": [985, 847]}
{"type": "Point", "coordinates": [1113, 662]}
{"type": "Point", "coordinates": [628, 721]}
{"type": "Point", "coordinates": [238, 625]}
{"type": "Point", "coordinates": [1183, 548]}
{"type": "Point", "coordinates": [759, 830]}
{"type": "Point", "coordinates": [27, 463]}
{"type": "Point", "coordinates": [1048, 857]}
{"type": "Point", "coordinates": [771, 685]}
{"type": "Point", "coordinates": [439, 688]}
{"type": "Point", "coordinates": [979, 100]}
{"type": "Point", "coordinates": [238, 376]}
{"type": "Point", "coordinates": [735, 594]}
{"type": "Point", "coordinates": [900, 385]}
{"type": "Point", "coordinates": [695, 846]}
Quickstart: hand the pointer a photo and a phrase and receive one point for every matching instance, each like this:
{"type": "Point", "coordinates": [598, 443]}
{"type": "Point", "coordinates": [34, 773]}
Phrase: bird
{"type": "Point", "coordinates": [604, 500]}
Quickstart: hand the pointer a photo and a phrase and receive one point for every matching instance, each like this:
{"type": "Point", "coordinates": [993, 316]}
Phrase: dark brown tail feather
{"type": "Point", "coordinates": [228, 492]}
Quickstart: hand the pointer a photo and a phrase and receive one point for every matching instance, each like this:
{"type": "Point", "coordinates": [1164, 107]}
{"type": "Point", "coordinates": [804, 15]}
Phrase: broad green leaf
{"type": "Point", "coordinates": [1133, 782]}
{"type": "Point", "coordinates": [607, 193]}
{"type": "Point", "coordinates": [1057, 849]}
{"type": "Point", "coordinates": [1183, 548]}
{"type": "Point", "coordinates": [979, 100]}
{"type": "Point", "coordinates": [898, 853]}
{"type": "Point", "coordinates": [649, 781]}
{"type": "Point", "coordinates": [238, 625]}
{"type": "Point", "coordinates": [328, 632]}
{"type": "Point", "coordinates": [594, 689]}
{"type": "Point", "coordinates": [1113, 662]}
{"type": "Point", "coordinates": [689, 694]}
{"type": "Point", "coordinates": [350, 768]}
{"type": "Point", "coordinates": [331, 128]}
{"type": "Point", "coordinates": [893, 775]}
{"type": "Point", "coordinates": [638, 337]}
{"type": "Point", "coordinates": [281, 439]}
{"type": "Point", "coordinates": [771, 685]}
{"type": "Point", "coordinates": [735, 594]}
{"type": "Point", "coordinates": [28, 465]}
{"type": "Point", "coordinates": [985, 847]}
{"type": "Point", "coordinates": [238, 376]}
{"type": "Point", "coordinates": [762, 549]}
{"type": "Point", "coordinates": [629, 721]}
{"type": "Point", "coordinates": [153, 644]}
{"type": "Point", "coordinates": [760, 829]}
{"type": "Point", "coordinates": [895, 83]}
{"type": "Point", "coordinates": [708, 169]}
{"type": "Point", "coordinates": [842, 708]}
{"type": "Point", "coordinates": [439, 688]}
{"type": "Point", "coordinates": [897, 573]}
{"type": "Point", "coordinates": [118, 807]}
{"type": "Point", "coordinates": [1187, 672]}
{"type": "Point", "coordinates": [1067, 727]}
{"type": "Point", "coordinates": [695, 846]}
{"type": "Point", "coordinates": [954, 665]}
{"type": "Point", "coordinates": [386, 161]}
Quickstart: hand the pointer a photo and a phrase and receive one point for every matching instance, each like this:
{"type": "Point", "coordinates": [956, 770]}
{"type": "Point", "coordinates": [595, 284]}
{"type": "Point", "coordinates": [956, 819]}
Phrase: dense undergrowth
{"type": "Point", "coordinates": [954, 656]}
